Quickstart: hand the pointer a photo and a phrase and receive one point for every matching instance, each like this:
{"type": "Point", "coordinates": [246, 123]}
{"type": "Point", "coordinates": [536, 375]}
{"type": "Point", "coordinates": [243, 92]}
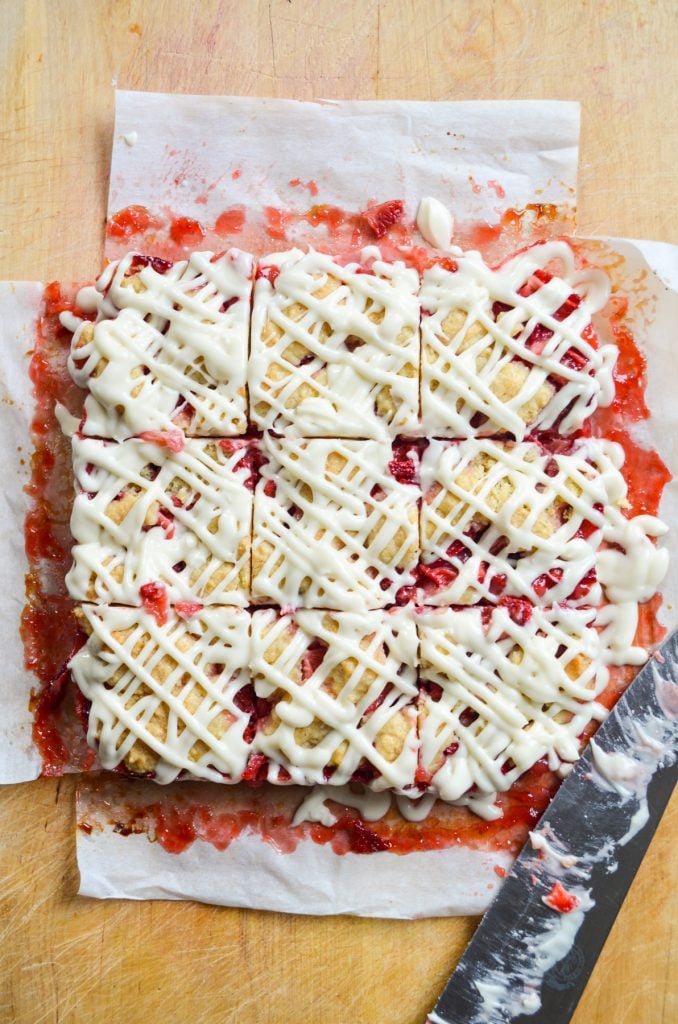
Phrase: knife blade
{"type": "Point", "coordinates": [537, 944]}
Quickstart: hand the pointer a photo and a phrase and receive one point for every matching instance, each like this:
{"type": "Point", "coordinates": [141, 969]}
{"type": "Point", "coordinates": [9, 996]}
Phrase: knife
{"type": "Point", "coordinates": [537, 944]}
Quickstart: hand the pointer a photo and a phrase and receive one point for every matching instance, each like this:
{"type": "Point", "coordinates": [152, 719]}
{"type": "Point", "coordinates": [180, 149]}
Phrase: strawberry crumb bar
{"type": "Point", "coordinates": [335, 349]}
{"type": "Point", "coordinates": [500, 691]}
{"type": "Point", "coordinates": [501, 519]}
{"type": "Point", "coordinates": [334, 526]}
{"type": "Point", "coordinates": [168, 350]}
{"type": "Point", "coordinates": [167, 698]}
{"type": "Point", "coordinates": [512, 349]}
{"type": "Point", "coordinates": [337, 697]}
{"type": "Point", "coordinates": [144, 514]}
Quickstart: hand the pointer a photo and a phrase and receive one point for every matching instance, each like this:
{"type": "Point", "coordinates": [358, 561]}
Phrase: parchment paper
{"type": "Point", "coordinates": [197, 154]}
{"type": "Point", "coordinates": [252, 874]}
{"type": "Point", "coordinates": [216, 152]}
{"type": "Point", "coordinates": [20, 304]}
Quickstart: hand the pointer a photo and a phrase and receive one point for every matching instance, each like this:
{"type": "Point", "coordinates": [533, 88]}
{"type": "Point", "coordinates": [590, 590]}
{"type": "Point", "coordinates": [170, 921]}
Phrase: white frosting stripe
{"type": "Point", "coordinates": [332, 527]}
{"type": "Point", "coordinates": [164, 698]}
{"type": "Point", "coordinates": [168, 349]}
{"type": "Point", "coordinates": [143, 514]}
{"type": "Point", "coordinates": [505, 350]}
{"type": "Point", "coordinates": [335, 349]}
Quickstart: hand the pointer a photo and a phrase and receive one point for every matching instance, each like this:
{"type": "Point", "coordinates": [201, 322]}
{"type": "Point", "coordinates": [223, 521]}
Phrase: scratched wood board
{"type": "Point", "coordinates": [68, 959]}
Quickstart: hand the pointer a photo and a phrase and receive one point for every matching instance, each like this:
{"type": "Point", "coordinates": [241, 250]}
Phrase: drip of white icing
{"type": "Point", "coordinates": [144, 514]}
{"type": "Point", "coordinates": [372, 806]}
{"type": "Point", "coordinates": [415, 810]}
{"type": "Point", "coordinates": [131, 139]}
{"type": "Point", "coordinates": [170, 687]}
{"type": "Point", "coordinates": [343, 547]}
{"type": "Point", "coordinates": [435, 223]}
{"type": "Point", "coordinates": [89, 299]}
{"type": "Point", "coordinates": [335, 361]}
{"type": "Point", "coordinates": [492, 366]}
{"type": "Point", "coordinates": [70, 321]}
{"type": "Point", "coordinates": [68, 423]}
{"type": "Point", "coordinates": [356, 705]}
{"type": "Point", "coordinates": [175, 347]}
{"type": "Point", "coordinates": [634, 573]}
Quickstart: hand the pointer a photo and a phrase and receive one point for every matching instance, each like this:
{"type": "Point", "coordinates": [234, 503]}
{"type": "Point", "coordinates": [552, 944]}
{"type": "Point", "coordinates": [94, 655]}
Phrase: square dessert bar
{"type": "Point", "coordinates": [171, 698]}
{"type": "Point", "coordinates": [335, 349]}
{"type": "Point", "coordinates": [169, 348]}
{"type": "Point", "coordinates": [512, 349]}
{"type": "Point", "coordinates": [498, 693]}
{"type": "Point", "coordinates": [340, 689]}
{"type": "Point", "coordinates": [502, 520]}
{"type": "Point", "coordinates": [146, 516]}
{"type": "Point", "coordinates": [335, 524]}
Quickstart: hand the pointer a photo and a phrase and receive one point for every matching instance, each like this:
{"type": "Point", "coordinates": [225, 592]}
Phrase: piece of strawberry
{"type": "Point", "coordinates": [381, 218]}
{"type": "Point", "coordinates": [155, 601]}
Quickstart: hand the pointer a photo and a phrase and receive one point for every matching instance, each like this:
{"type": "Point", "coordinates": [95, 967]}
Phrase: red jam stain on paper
{"type": "Point", "coordinates": [175, 819]}
{"type": "Point", "coordinates": [328, 228]}
{"type": "Point", "coordinates": [48, 628]}
{"type": "Point", "coordinates": [178, 815]}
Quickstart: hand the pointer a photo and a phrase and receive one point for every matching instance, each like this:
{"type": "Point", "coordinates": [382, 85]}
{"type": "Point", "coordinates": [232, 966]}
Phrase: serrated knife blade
{"type": "Point", "coordinates": [528, 963]}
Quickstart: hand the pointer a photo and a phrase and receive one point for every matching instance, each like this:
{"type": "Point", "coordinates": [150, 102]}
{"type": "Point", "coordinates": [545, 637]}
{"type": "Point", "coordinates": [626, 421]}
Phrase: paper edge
{"type": "Point", "coordinates": [271, 880]}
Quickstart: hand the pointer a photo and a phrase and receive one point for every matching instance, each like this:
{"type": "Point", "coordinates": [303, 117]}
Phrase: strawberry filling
{"type": "Point", "coordinates": [252, 459]}
{"type": "Point", "coordinates": [561, 900]}
{"type": "Point", "coordinates": [547, 581]}
{"type": "Point", "coordinates": [362, 838]}
{"type": "Point", "coordinates": [380, 218]}
{"type": "Point", "coordinates": [138, 262]}
{"type": "Point", "coordinates": [155, 602]}
{"type": "Point", "coordinates": [313, 657]}
{"type": "Point", "coordinates": [186, 609]}
{"type": "Point", "coordinates": [405, 462]}
{"type": "Point", "coordinates": [584, 586]}
{"type": "Point", "coordinates": [166, 521]}
{"type": "Point", "coordinates": [519, 609]}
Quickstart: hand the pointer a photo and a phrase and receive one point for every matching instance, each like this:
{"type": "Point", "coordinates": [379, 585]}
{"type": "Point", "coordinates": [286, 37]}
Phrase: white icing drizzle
{"type": "Point", "coordinates": [372, 806]}
{"type": "Point", "coordinates": [493, 367]}
{"type": "Point", "coordinates": [355, 707]}
{"type": "Point", "coordinates": [511, 694]}
{"type": "Point", "coordinates": [504, 491]}
{"type": "Point", "coordinates": [353, 538]}
{"type": "Point", "coordinates": [67, 421]}
{"type": "Point", "coordinates": [170, 688]}
{"type": "Point", "coordinates": [89, 298]}
{"type": "Point", "coordinates": [168, 349]}
{"type": "Point", "coordinates": [143, 514]}
{"type": "Point", "coordinates": [343, 360]}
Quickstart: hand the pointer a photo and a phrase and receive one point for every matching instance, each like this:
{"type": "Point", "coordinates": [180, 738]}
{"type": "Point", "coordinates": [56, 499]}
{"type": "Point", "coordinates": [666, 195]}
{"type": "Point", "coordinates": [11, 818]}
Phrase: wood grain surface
{"type": "Point", "coordinates": [67, 959]}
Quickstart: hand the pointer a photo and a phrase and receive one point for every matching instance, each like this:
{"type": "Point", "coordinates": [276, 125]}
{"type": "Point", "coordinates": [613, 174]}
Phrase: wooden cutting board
{"type": "Point", "coordinates": [67, 959]}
